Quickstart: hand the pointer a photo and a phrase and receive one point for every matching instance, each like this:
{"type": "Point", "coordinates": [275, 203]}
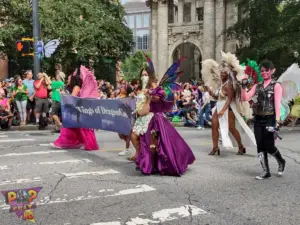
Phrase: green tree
{"type": "Point", "coordinates": [272, 28]}
{"type": "Point", "coordinates": [132, 65]}
{"type": "Point", "coordinates": [95, 28]}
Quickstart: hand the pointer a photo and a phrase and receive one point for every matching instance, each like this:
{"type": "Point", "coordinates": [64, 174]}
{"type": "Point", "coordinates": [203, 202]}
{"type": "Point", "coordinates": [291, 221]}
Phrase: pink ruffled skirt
{"type": "Point", "coordinates": [73, 138]}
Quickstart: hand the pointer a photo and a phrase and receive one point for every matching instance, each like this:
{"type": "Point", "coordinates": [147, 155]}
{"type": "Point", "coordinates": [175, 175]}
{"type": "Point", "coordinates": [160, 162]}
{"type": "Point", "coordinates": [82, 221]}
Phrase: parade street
{"type": "Point", "coordinates": [102, 188]}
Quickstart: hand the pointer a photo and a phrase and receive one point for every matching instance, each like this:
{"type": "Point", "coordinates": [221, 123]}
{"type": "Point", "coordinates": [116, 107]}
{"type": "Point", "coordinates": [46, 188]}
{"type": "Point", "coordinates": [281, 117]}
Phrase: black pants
{"type": "Point", "coordinates": [264, 139]}
{"type": "Point", "coordinates": [4, 124]}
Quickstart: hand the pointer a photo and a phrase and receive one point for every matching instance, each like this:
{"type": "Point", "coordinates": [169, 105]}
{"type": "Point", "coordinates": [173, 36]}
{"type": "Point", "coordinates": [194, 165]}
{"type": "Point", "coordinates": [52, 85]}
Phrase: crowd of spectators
{"type": "Point", "coordinates": [26, 101]}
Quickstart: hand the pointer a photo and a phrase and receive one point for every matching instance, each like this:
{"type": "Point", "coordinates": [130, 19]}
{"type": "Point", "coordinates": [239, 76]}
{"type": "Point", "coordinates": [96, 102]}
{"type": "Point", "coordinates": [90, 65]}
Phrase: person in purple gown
{"type": "Point", "coordinates": [162, 149]}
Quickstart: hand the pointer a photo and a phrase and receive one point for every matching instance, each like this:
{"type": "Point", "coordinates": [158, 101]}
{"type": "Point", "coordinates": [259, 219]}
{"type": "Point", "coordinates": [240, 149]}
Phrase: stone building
{"type": "Point", "coordinates": [191, 28]}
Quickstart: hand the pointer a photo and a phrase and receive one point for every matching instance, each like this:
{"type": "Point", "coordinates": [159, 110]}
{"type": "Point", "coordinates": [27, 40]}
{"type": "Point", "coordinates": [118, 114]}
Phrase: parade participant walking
{"type": "Point", "coordinates": [228, 108]}
{"type": "Point", "coordinates": [82, 84]}
{"type": "Point", "coordinates": [143, 113]}
{"type": "Point", "coordinates": [126, 138]}
{"type": "Point", "coordinates": [266, 117]}
{"type": "Point", "coordinates": [162, 149]}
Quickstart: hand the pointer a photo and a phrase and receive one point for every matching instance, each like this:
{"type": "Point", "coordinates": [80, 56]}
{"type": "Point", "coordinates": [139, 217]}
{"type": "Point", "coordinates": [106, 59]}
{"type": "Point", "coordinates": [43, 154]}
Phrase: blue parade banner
{"type": "Point", "coordinates": [116, 115]}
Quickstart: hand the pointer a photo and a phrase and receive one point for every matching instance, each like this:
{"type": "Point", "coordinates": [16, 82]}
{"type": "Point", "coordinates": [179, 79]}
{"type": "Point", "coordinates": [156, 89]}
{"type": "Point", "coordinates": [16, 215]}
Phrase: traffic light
{"type": "Point", "coordinates": [25, 46]}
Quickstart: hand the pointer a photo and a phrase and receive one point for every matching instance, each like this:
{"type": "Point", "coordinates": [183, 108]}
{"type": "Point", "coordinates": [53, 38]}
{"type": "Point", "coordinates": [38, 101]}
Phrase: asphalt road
{"type": "Point", "coordinates": [102, 188]}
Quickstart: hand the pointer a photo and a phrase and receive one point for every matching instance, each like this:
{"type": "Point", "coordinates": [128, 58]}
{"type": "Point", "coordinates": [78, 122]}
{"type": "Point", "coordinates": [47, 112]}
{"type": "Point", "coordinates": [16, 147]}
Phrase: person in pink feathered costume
{"type": "Point", "coordinates": [81, 84]}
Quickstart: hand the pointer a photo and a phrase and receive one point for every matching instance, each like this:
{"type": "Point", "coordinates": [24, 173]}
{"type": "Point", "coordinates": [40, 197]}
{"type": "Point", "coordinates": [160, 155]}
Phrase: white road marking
{"type": "Point", "coordinates": [161, 216]}
{"type": "Point", "coordinates": [32, 153]}
{"type": "Point", "coordinates": [65, 161]}
{"type": "Point", "coordinates": [20, 181]}
{"type": "Point", "coordinates": [140, 221]}
{"type": "Point", "coordinates": [68, 175]}
{"type": "Point", "coordinates": [3, 168]}
{"type": "Point", "coordinates": [103, 190]}
{"type": "Point", "coordinates": [93, 173]}
{"type": "Point", "coordinates": [136, 190]}
{"type": "Point", "coordinates": [108, 223]}
{"type": "Point", "coordinates": [182, 212]}
{"type": "Point", "coordinates": [72, 161]}
{"type": "Point", "coordinates": [15, 140]}
{"type": "Point", "coordinates": [45, 145]}
{"type": "Point", "coordinates": [3, 136]}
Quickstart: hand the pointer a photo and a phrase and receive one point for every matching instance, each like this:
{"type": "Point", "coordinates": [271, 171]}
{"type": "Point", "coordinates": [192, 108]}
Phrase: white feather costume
{"type": "Point", "coordinates": [211, 73]}
{"type": "Point", "coordinates": [211, 76]}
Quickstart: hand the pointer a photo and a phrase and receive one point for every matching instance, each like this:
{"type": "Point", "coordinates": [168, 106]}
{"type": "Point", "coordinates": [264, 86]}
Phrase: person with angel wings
{"type": "Point", "coordinates": [229, 109]}
{"type": "Point", "coordinates": [82, 84]}
{"type": "Point", "coordinates": [161, 149]}
{"type": "Point", "coordinates": [267, 115]}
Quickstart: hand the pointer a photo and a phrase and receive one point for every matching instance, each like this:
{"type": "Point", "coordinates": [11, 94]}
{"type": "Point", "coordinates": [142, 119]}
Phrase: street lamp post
{"type": "Point", "coordinates": [35, 23]}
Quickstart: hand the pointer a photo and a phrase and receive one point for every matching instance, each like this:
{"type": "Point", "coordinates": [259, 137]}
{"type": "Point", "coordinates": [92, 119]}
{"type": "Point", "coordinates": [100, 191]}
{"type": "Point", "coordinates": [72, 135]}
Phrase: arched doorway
{"type": "Point", "coordinates": [191, 67]}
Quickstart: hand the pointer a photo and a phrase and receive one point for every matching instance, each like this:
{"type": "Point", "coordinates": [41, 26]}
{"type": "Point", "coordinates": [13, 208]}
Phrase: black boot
{"type": "Point", "coordinates": [263, 158]}
{"type": "Point", "coordinates": [280, 161]}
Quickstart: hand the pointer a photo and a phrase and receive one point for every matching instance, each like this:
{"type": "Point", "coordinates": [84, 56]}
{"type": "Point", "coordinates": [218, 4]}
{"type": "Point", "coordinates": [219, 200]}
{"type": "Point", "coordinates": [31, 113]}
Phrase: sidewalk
{"type": "Point", "coordinates": [30, 127]}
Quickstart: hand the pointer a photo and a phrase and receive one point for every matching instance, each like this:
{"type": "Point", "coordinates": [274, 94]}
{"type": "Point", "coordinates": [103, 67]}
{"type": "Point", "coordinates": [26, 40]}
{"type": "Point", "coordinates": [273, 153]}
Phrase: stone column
{"type": "Point", "coordinates": [231, 19]}
{"type": "Point", "coordinates": [192, 57]}
{"type": "Point", "coordinates": [154, 18]}
{"type": "Point", "coordinates": [220, 28]}
{"type": "Point", "coordinates": [163, 45]}
{"type": "Point", "coordinates": [209, 30]}
{"type": "Point", "coordinates": [197, 62]}
{"type": "Point", "coordinates": [193, 11]}
{"type": "Point", "coordinates": [180, 11]}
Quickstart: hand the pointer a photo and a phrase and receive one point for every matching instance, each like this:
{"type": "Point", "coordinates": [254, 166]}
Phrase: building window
{"type": "Point", "coordinates": [146, 20]}
{"type": "Point", "coordinates": [138, 21]}
{"type": "Point", "coordinates": [142, 39]}
{"type": "Point", "coordinates": [200, 13]}
{"type": "Point", "coordinates": [145, 42]}
{"type": "Point", "coordinates": [187, 9]}
{"type": "Point", "coordinates": [130, 21]}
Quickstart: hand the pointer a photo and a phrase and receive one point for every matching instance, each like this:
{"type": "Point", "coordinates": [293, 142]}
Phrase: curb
{"type": "Point", "coordinates": [30, 128]}
{"type": "Point", "coordinates": [178, 124]}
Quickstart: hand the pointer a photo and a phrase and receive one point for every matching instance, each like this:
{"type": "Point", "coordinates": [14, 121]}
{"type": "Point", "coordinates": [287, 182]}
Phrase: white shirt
{"type": "Point", "coordinates": [206, 98]}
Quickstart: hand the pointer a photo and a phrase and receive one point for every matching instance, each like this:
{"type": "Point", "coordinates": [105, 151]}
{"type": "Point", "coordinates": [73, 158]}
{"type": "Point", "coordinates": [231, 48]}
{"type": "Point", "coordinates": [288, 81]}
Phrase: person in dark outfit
{"type": "Point", "coordinates": [5, 118]}
{"type": "Point", "coordinates": [266, 110]}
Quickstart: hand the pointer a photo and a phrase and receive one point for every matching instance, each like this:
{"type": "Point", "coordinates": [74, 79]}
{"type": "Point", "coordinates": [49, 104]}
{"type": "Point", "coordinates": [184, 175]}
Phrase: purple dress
{"type": "Point", "coordinates": [173, 154]}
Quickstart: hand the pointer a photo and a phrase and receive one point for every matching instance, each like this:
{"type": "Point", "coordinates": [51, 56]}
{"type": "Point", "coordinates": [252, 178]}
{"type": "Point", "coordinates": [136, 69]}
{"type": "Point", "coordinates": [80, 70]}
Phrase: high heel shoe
{"type": "Point", "coordinates": [242, 151]}
{"type": "Point", "coordinates": [214, 151]}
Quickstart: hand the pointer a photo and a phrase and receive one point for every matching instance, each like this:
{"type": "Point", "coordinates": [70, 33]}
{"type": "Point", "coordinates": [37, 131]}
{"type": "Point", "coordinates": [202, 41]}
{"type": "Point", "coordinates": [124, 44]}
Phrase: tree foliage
{"type": "Point", "coordinates": [132, 65]}
{"type": "Point", "coordinates": [94, 28]}
{"type": "Point", "coordinates": [272, 29]}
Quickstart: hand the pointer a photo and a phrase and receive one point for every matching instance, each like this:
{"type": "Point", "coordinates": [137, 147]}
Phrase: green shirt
{"type": "Point", "coordinates": [56, 86]}
{"type": "Point", "coordinates": [20, 96]}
